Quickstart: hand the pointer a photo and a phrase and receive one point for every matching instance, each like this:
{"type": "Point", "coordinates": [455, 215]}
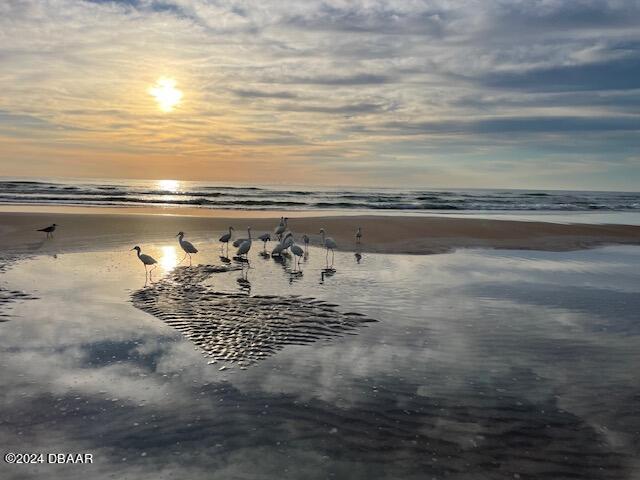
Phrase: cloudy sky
{"type": "Point", "coordinates": [538, 94]}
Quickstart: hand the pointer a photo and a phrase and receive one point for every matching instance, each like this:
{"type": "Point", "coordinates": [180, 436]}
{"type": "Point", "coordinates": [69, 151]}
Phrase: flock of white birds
{"type": "Point", "coordinates": [285, 238]}
{"type": "Point", "coordinates": [286, 241]}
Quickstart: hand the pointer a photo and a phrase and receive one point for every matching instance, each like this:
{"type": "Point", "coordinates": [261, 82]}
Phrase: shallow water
{"type": "Point", "coordinates": [482, 364]}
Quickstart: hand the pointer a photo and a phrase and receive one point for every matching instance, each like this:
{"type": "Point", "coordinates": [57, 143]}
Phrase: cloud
{"type": "Point", "coordinates": [623, 74]}
{"type": "Point", "coordinates": [339, 80]}
{"type": "Point", "coordinates": [342, 79]}
{"type": "Point", "coordinates": [247, 93]}
{"type": "Point", "coordinates": [519, 125]}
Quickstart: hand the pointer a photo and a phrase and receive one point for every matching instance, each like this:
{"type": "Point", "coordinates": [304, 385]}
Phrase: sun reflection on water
{"type": "Point", "coordinates": [169, 259]}
{"type": "Point", "coordinates": [169, 185]}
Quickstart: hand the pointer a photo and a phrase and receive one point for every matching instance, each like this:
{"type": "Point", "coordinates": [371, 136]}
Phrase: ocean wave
{"type": "Point", "coordinates": [263, 198]}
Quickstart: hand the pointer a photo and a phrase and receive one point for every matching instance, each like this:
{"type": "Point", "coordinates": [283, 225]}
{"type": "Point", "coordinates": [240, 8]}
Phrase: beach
{"type": "Point", "coordinates": [477, 363]}
{"type": "Point", "coordinates": [441, 346]}
{"type": "Point", "coordinates": [98, 228]}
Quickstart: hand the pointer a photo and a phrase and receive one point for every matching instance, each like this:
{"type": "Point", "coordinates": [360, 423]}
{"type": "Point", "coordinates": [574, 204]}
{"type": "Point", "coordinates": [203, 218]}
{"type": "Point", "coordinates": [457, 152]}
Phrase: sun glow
{"type": "Point", "coordinates": [169, 258]}
{"type": "Point", "coordinates": [169, 185]}
{"type": "Point", "coordinates": [166, 94]}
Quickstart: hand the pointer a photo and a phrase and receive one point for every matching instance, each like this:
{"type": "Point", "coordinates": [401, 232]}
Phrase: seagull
{"type": "Point", "coordinates": [49, 230]}
{"type": "Point", "coordinates": [330, 244]}
{"type": "Point", "coordinates": [186, 246]}
{"type": "Point", "coordinates": [145, 259]}
{"type": "Point", "coordinates": [305, 239]}
{"type": "Point", "coordinates": [280, 229]}
{"type": "Point", "coordinates": [245, 246]}
{"type": "Point", "coordinates": [359, 236]}
{"type": "Point", "coordinates": [225, 238]}
{"type": "Point", "coordinates": [265, 237]}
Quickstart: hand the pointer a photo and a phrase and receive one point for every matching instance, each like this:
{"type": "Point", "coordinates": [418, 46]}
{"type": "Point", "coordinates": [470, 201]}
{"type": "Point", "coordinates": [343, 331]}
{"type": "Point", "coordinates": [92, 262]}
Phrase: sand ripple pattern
{"type": "Point", "coordinates": [236, 328]}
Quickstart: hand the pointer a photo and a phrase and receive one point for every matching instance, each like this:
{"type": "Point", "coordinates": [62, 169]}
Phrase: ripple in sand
{"type": "Point", "coordinates": [236, 327]}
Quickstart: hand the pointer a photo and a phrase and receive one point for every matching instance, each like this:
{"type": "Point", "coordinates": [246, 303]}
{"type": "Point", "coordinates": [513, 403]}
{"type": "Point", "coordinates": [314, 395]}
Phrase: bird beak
{"type": "Point", "coordinates": [132, 250]}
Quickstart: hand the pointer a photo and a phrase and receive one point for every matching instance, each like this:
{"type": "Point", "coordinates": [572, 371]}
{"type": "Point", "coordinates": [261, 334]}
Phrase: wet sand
{"type": "Point", "coordinates": [481, 364]}
{"type": "Point", "coordinates": [98, 229]}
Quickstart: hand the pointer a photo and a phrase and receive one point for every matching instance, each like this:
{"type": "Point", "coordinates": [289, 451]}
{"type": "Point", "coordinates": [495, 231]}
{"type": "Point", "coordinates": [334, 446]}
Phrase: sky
{"type": "Point", "coordinates": [495, 94]}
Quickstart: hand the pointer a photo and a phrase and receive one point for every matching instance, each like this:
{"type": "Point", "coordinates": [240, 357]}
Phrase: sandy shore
{"type": "Point", "coordinates": [385, 234]}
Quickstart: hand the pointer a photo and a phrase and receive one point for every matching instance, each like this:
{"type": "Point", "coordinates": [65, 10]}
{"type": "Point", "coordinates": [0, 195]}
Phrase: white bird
{"type": "Point", "coordinates": [287, 241]}
{"type": "Point", "coordinates": [330, 244]}
{"type": "Point", "coordinates": [49, 230]}
{"type": "Point", "coordinates": [145, 259]}
{"type": "Point", "coordinates": [297, 251]}
{"type": "Point", "coordinates": [225, 238]}
{"type": "Point", "coordinates": [359, 235]}
{"type": "Point", "coordinates": [280, 229]}
{"type": "Point", "coordinates": [265, 237]}
{"type": "Point", "coordinates": [186, 246]}
{"type": "Point", "coordinates": [245, 246]}
{"type": "Point", "coordinates": [305, 239]}
{"type": "Point", "coordinates": [277, 250]}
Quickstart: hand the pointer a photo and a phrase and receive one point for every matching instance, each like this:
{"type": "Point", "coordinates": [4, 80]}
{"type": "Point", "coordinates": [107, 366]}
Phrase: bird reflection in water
{"type": "Point", "coordinates": [326, 273]}
{"type": "Point", "coordinates": [243, 281]}
{"type": "Point", "coordinates": [226, 260]}
{"type": "Point", "coordinates": [294, 276]}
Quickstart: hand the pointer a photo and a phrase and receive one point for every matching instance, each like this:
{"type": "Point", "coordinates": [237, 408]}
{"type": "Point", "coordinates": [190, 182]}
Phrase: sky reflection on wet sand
{"type": "Point", "coordinates": [484, 364]}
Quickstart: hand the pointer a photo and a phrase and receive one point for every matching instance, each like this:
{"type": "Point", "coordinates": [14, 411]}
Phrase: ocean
{"type": "Point", "coordinates": [170, 193]}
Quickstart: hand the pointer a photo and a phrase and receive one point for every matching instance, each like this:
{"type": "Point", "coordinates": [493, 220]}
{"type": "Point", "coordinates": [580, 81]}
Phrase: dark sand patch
{"type": "Point", "coordinates": [8, 296]}
{"type": "Point", "coordinates": [236, 327]}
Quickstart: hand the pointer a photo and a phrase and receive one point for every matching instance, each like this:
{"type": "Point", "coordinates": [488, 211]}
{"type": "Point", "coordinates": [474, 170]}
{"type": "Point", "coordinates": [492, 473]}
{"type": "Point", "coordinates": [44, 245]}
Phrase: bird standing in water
{"type": "Point", "coordinates": [359, 236]}
{"type": "Point", "coordinates": [265, 237]}
{"type": "Point", "coordinates": [298, 252]}
{"type": "Point", "coordinates": [330, 244]}
{"type": "Point", "coordinates": [186, 246]}
{"type": "Point", "coordinates": [146, 260]}
{"type": "Point", "coordinates": [245, 246]}
{"type": "Point", "coordinates": [225, 239]}
{"type": "Point", "coordinates": [280, 229]}
{"type": "Point", "coordinates": [49, 230]}
{"type": "Point", "coordinates": [305, 239]}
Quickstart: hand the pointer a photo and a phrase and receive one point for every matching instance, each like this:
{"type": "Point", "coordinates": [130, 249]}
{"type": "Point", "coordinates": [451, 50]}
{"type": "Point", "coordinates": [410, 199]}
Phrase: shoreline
{"type": "Point", "coordinates": [401, 234]}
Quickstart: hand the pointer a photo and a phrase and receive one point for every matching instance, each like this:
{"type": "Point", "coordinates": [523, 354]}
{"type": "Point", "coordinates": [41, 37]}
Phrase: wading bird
{"type": "Point", "coordinates": [225, 239]}
{"type": "Point", "coordinates": [359, 236]}
{"type": "Point", "coordinates": [298, 252]}
{"type": "Point", "coordinates": [245, 246]}
{"type": "Point", "coordinates": [277, 250]}
{"type": "Point", "coordinates": [305, 239]}
{"type": "Point", "coordinates": [330, 244]}
{"type": "Point", "coordinates": [146, 260]}
{"type": "Point", "coordinates": [186, 246]}
{"type": "Point", "coordinates": [49, 230]}
{"type": "Point", "coordinates": [287, 241]}
{"type": "Point", "coordinates": [280, 229]}
{"type": "Point", "coordinates": [265, 237]}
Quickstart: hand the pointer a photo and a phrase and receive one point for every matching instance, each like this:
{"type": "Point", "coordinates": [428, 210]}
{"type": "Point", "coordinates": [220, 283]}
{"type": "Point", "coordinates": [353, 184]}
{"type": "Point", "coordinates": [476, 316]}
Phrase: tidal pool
{"type": "Point", "coordinates": [479, 364]}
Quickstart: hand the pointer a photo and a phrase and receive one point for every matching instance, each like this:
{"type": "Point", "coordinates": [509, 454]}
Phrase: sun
{"type": "Point", "coordinates": [166, 94]}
